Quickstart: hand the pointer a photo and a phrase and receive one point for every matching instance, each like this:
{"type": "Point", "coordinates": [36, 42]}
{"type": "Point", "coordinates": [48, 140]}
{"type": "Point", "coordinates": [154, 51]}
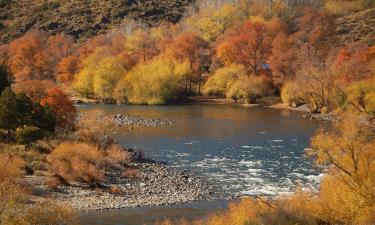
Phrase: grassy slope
{"type": "Point", "coordinates": [83, 18]}
{"type": "Point", "coordinates": [356, 27]}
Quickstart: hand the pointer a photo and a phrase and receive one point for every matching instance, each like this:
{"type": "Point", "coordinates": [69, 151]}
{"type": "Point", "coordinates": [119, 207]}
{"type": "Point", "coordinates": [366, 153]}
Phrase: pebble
{"type": "Point", "coordinates": [156, 185]}
{"type": "Point", "coordinates": [130, 120]}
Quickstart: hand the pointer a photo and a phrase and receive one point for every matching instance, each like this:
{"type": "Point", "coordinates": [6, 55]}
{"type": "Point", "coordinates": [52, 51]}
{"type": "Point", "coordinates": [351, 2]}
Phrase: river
{"type": "Point", "coordinates": [244, 151]}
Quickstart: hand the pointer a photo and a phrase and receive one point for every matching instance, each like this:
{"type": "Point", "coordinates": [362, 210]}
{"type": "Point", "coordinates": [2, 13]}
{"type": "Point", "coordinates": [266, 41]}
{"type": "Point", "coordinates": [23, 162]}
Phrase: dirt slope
{"type": "Point", "coordinates": [83, 18]}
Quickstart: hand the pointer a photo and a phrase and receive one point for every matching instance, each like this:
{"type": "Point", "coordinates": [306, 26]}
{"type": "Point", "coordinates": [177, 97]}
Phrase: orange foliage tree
{"type": "Point", "coordinates": [35, 56]}
{"type": "Point", "coordinates": [62, 106]}
{"type": "Point", "coordinates": [315, 34]}
{"type": "Point", "coordinates": [248, 44]}
{"type": "Point", "coordinates": [67, 68]}
{"type": "Point", "coordinates": [191, 47]}
{"type": "Point", "coordinates": [35, 89]}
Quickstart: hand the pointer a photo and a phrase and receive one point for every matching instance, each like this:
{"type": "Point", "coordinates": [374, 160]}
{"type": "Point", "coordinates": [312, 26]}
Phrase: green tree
{"type": "Point", "coordinates": [25, 108]}
{"type": "Point", "coordinates": [8, 111]}
{"type": "Point", "coordinates": [27, 135]}
{"type": "Point", "coordinates": [44, 118]}
{"type": "Point", "coordinates": [4, 79]}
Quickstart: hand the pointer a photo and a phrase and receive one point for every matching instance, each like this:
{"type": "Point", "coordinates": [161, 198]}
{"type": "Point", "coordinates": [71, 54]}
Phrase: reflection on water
{"type": "Point", "coordinates": [247, 151]}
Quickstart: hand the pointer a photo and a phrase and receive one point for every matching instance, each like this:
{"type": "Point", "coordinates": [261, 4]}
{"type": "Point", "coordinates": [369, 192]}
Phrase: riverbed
{"type": "Point", "coordinates": [244, 151]}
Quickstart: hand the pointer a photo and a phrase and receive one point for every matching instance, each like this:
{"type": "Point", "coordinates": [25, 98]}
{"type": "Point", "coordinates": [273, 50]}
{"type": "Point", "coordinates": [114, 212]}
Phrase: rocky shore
{"type": "Point", "coordinates": [129, 120]}
{"type": "Point", "coordinates": [154, 185]}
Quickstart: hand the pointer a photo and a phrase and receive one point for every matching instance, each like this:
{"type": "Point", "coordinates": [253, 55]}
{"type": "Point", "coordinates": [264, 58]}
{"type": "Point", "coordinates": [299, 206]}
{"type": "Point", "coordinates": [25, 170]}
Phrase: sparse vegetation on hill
{"type": "Point", "coordinates": [82, 18]}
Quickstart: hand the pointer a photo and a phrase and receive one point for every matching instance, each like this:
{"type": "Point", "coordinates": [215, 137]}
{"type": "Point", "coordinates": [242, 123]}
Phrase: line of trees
{"type": "Point", "coordinates": [280, 48]}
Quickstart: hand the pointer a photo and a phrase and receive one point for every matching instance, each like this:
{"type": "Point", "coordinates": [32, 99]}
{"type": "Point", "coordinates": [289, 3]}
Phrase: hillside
{"type": "Point", "coordinates": [356, 27]}
{"type": "Point", "coordinates": [83, 18]}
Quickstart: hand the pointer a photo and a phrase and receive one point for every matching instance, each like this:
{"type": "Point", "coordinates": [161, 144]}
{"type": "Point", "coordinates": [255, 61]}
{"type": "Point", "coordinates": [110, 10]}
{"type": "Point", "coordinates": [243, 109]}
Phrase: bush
{"type": "Point", "coordinates": [291, 94]}
{"type": "Point", "coordinates": [77, 162]}
{"type": "Point", "coordinates": [156, 82]}
{"type": "Point", "coordinates": [27, 135]}
{"type": "Point", "coordinates": [218, 83]}
{"type": "Point", "coordinates": [247, 89]}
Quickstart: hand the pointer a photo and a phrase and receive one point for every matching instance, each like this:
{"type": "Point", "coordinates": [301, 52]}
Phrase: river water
{"type": "Point", "coordinates": [245, 151]}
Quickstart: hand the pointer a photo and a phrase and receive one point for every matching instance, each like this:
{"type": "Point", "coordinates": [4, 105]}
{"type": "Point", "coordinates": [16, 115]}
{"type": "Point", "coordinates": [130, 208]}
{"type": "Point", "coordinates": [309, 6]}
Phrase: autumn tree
{"type": "Point", "coordinates": [315, 35]}
{"type": "Point", "coordinates": [29, 60]}
{"type": "Point", "coordinates": [211, 22]}
{"type": "Point", "coordinates": [219, 83]}
{"type": "Point", "coordinates": [348, 153]}
{"type": "Point", "coordinates": [62, 106]}
{"type": "Point", "coordinates": [156, 82]}
{"type": "Point", "coordinates": [67, 68]}
{"type": "Point", "coordinates": [248, 44]}
{"type": "Point", "coordinates": [283, 59]}
{"type": "Point", "coordinates": [107, 75]}
{"type": "Point", "coordinates": [35, 89]}
{"type": "Point", "coordinates": [190, 47]}
{"type": "Point", "coordinates": [142, 45]}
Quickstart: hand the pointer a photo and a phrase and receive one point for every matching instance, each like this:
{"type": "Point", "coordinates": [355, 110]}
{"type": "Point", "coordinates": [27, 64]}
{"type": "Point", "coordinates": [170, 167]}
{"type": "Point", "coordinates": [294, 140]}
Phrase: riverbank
{"type": "Point", "coordinates": [153, 184]}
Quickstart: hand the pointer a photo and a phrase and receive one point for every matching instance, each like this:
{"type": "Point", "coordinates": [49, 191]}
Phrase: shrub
{"type": "Point", "coordinates": [93, 126]}
{"type": "Point", "coordinates": [218, 83]}
{"type": "Point", "coordinates": [116, 156]}
{"type": "Point", "coordinates": [155, 82]}
{"type": "Point", "coordinates": [77, 162]}
{"type": "Point", "coordinates": [27, 135]}
{"type": "Point", "coordinates": [292, 94]}
{"type": "Point", "coordinates": [247, 89]}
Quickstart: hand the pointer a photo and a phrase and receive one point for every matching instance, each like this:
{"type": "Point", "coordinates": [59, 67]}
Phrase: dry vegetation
{"type": "Point", "coordinates": [306, 52]}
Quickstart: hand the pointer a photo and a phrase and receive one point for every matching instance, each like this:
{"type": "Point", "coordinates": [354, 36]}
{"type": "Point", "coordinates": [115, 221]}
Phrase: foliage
{"type": "Point", "coordinates": [67, 69]}
{"type": "Point", "coordinates": [62, 107]}
{"type": "Point", "coordinates": [157, 82]}
{"type": "Point", "coordinates": [92, 126]}
{"type": "Point", "coordinates": [191, 48]}
{"type": "Point", "coordinates": [25, 107]}
{"type": "Point", "coordinates": [107, 75]}
{"type": "Point", "coordinates": [211, 23]}
{"type": "Point", "coordinates": [36, 56]}
{"type": "Point", "coordinates": [34, 89]}
{"type": "Point", "coordinates": [27, 135]}
{"type": "Point", "coordinates": [348, 151]}
{"type": "Point", "coordinates": [220, 81]}
{"type": "Point", "coordinates": [142, 45]}
{"type": "Point", "coordinates": [247, 89]}
{"type": "Point", "coordinates": [4, 79]}
{"type": "Point", "coordinates": [13, 197]}
{"type": "Point", "coordinates": [292, 94]}
{"type": "Point", "coordinates": [77, 162]}
{"type": "Point", "coordinates": [248, 44]}
{"type": "Point", "coordinates": [8, 111]}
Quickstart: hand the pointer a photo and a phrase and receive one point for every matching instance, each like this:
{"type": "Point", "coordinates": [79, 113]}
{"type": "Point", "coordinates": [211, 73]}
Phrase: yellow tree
{"type": "Point", "coordinates": [142, 45]}
{"type": "Point", "coordinates": [348, 153]}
